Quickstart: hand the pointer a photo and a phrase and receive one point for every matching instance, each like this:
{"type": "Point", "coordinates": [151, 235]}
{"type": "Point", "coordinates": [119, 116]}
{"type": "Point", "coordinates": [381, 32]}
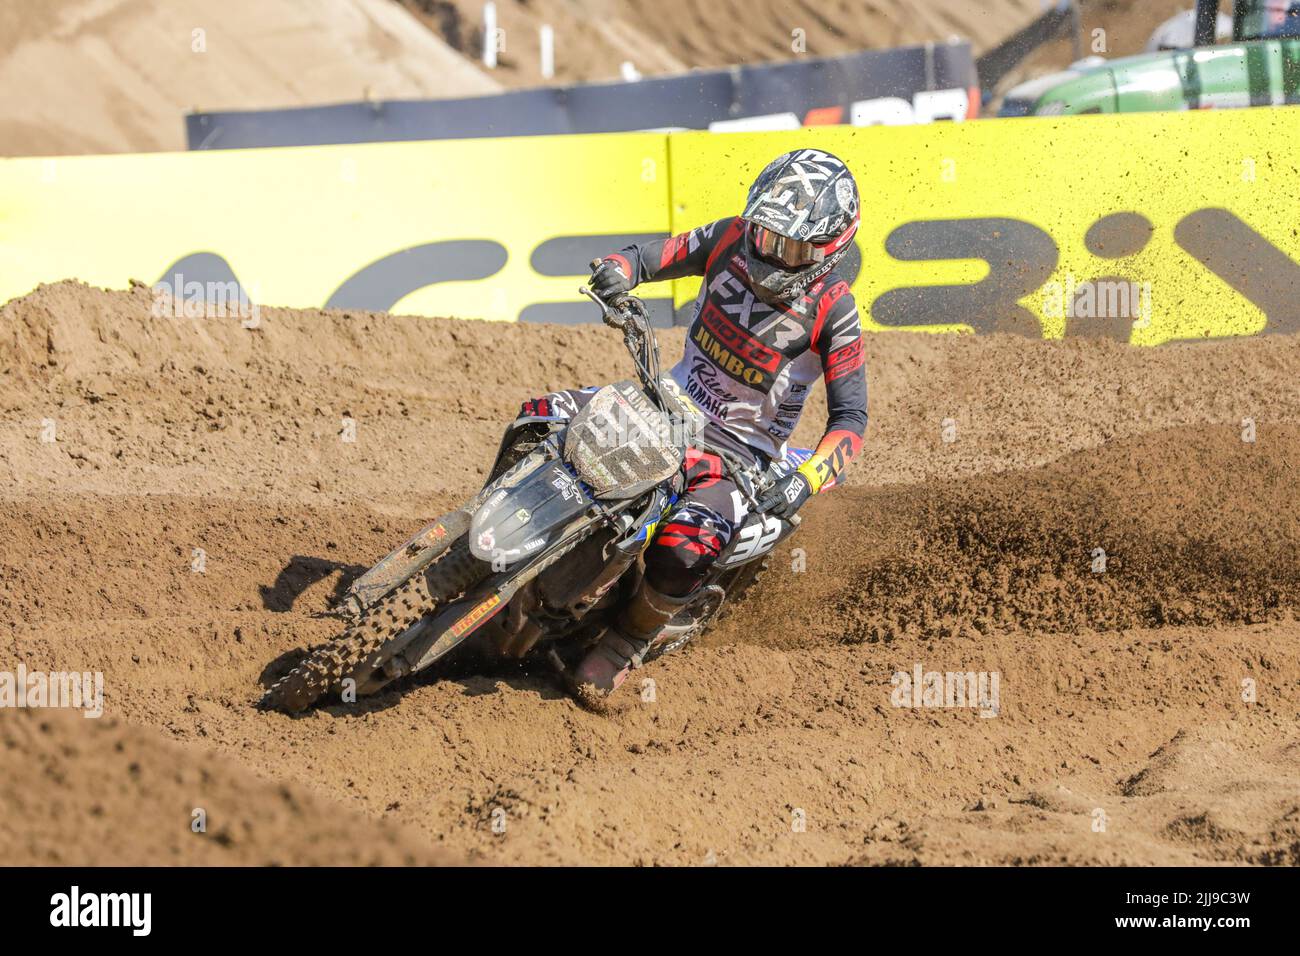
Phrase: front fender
{"type": "Point", "coordinates": [520, 520]}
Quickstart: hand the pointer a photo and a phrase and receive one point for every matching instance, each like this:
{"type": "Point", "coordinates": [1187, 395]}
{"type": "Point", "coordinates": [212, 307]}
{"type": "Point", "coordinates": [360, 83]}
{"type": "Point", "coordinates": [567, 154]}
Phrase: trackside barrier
{"type": "Point", "coordinates": [1149, 227]}
{"type": "Point", "coordinates": [919, 84]}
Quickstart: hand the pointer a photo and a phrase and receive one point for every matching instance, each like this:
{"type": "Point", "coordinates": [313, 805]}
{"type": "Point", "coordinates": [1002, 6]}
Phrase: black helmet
{"type": "Point", "coordinates": [801, 215]}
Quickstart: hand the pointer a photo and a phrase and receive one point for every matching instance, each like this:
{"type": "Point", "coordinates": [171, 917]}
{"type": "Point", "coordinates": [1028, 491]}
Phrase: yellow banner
{"type": "Point", "coordinates": [476, 228]}
{"type": "Point", "coordinates": [1146, 227]}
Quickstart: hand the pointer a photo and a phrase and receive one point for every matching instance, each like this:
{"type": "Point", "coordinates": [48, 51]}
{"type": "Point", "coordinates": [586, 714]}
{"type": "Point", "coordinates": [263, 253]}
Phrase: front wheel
{"type": "Point", "coordinates": [359, 650]}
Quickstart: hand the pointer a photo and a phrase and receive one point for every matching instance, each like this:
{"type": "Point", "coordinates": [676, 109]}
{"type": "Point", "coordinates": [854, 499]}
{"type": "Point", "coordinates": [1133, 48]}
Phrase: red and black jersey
{"type": "Point", "coordinates": [749, 365]}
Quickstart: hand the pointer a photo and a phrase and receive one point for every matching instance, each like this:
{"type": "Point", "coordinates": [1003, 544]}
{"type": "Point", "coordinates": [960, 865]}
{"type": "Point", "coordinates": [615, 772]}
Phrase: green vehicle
{"type": "Point", "coordinates": [1260, 67]}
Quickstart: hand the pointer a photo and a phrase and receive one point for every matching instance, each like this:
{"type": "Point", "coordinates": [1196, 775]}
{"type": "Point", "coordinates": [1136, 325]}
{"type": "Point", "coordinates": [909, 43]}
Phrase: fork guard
{"type": "Point", "coordinates": [415, 555]}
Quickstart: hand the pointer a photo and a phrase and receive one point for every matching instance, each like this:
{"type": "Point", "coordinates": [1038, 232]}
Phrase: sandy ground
{"type": "Point", "coordinates": [594, 37]}
{"type": "Point", "coordinates": [114, 76]}
{"type": "Point", "coordinates": [1121, 736]}
{"type": "Point", "coordinates": [111, 76]}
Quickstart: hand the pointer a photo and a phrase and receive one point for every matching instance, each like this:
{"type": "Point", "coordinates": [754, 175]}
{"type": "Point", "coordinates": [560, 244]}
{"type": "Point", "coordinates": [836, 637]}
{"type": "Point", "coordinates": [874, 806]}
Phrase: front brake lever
{"type": "Point", "coordinates": [612, 317]}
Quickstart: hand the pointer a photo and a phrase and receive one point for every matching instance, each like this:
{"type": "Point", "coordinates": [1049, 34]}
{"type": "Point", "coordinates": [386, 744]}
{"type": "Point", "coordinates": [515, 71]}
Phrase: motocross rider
{"type": "Point", "coordinates": [772, 316]}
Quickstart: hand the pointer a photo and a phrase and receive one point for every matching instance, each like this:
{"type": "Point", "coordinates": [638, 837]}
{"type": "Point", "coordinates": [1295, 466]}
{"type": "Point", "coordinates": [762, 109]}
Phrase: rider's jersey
{"type": "Point", "coordinates": [750, 365]}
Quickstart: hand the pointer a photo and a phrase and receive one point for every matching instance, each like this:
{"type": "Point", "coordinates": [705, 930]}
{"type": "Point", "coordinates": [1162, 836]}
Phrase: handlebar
{"type": "Point", "coordinates": [617, 309]}
{"type": "Point", "coordinates": [628, 314]}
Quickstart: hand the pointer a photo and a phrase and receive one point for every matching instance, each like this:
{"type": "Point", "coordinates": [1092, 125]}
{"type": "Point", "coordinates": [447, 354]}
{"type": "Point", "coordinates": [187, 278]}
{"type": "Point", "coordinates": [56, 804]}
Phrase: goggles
{"type": "Point", "coordinates": [789, 252]}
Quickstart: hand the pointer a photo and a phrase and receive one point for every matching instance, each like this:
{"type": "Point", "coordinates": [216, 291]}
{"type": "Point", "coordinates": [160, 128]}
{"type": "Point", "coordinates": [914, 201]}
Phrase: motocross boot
{"type": "Point", "coordinates": [624, 645]}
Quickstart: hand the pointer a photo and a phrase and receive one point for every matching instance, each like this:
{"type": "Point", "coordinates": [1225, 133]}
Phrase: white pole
{"type": "Point", "coordinates": [546, 38]}
{"type": "Point", "coordinates": [490, 35]}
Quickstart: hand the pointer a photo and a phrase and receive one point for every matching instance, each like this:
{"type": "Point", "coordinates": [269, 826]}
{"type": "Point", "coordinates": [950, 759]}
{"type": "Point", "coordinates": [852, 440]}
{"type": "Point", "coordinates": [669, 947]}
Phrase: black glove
{"type": "Point", "coordinates": [787, 496]}
{"type": "Point", "coordinates": [608, 279]}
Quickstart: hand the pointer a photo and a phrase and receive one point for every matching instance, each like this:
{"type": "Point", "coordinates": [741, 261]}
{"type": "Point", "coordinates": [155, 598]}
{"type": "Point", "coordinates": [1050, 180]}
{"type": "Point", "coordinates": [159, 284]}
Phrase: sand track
{"type": "Point", "coordinates": [1121, 692]}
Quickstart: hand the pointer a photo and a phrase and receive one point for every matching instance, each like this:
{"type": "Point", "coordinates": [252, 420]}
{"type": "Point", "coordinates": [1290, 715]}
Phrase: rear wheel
{"type": "Point", "coordinates": [360, 649]}
{"type": "Point", "coordinates": [738, 582]}
{"type": "Point", "coordinates": [702, 614]}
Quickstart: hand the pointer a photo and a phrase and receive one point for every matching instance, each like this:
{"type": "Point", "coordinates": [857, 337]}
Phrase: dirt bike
{"type": "Point", "coordinates": [540, 560]}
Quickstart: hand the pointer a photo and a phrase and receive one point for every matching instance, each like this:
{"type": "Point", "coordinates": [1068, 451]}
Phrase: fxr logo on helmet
{"type": "Point", "coordinates": [791, 199]}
